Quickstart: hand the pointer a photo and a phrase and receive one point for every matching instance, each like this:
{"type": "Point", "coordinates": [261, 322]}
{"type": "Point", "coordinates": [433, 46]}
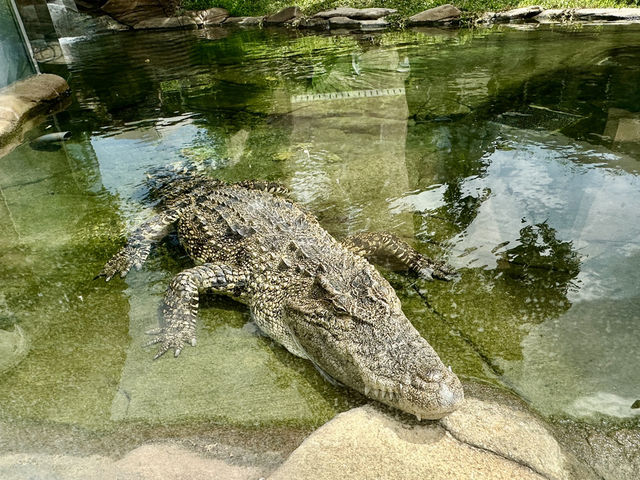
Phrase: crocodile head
{"type": "Point", "coordinates": [351, 326]}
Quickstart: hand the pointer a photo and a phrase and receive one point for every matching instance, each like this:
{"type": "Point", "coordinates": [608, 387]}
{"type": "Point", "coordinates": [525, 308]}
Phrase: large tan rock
{"type": "Point", "coordinates": [27, 98]}
{"type": "Point", "coordinates": [364, 443]}
{"type": "Point", "coordinates": [510, 433]}
{"type": "Point", "coordinates": [442, 14]}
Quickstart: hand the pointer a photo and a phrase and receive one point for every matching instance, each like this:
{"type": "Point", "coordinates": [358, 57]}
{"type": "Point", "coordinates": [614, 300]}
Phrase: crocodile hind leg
{"type": "Point", "coordinates": [137, 249]}
{"type": "Point", "coordinates": [383, 247]}
{"type": "Point", "coordinates": [180, 308]}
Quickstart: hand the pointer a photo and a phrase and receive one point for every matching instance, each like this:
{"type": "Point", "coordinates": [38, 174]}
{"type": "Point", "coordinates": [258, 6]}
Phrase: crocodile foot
{"type": "Point", "coordinates": [175, 335]}
{"type": "Point", "coordinates": [130, 256]}
{"type": "Point", "coordinates": [429, 269]}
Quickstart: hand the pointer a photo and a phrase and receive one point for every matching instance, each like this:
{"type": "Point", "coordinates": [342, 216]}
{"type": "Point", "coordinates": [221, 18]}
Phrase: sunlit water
{"type": "Point", "coordinates": [512, 154]}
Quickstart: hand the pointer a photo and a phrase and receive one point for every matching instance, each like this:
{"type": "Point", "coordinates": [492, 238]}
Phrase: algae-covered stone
{"type": "Point", "coordinates": [233, 375]}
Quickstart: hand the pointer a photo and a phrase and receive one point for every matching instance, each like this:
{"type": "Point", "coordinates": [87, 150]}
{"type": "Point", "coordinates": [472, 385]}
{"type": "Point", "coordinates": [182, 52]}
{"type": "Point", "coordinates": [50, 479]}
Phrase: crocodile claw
{"type": "Point", "coordinates": [171, 338]}
{"type": "Point", "coordinates": [122, 262]}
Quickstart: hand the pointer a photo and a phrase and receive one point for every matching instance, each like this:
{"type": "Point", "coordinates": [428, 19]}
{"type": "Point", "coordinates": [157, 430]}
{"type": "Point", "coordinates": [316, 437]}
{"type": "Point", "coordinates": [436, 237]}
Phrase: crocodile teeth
{"type": "Point", "coordinates": [418, 417]}
{"type": "Point", "coordinates": [366, 390]}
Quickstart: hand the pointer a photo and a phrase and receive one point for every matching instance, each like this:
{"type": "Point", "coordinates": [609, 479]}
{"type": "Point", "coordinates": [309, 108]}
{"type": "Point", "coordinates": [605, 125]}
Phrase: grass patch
{"type": "Point", "coordinates": [405, 7]}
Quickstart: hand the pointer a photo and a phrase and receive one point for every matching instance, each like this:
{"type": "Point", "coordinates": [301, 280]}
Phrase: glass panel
{"type": "Point", "coordinates": [14, 56]}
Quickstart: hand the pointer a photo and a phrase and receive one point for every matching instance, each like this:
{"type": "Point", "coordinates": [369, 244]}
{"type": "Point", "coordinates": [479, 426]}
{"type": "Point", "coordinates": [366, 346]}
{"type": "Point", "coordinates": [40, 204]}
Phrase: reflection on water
{"type": "Point", "coordinates": [515, 160]}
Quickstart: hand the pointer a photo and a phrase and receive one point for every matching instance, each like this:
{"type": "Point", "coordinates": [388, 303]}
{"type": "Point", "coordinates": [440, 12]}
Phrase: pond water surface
{"type": "Point", "coordinates": [515, 155]}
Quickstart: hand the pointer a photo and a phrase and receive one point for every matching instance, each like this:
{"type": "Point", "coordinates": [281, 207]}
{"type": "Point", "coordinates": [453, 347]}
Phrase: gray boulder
{"type": "Point", "coordinates": [285, 15]}
{"type": "Point", "coordinates": [131, 12]}
{"type": "Point", "coordinates": [443, 14]}
{"type": "Point", "coordinates": [343, 22]}
{"type": "Point", "coordinates": [211, 16]}
{"type": "Point", "coordinates": [607, 14]}
{"type": "Point", "coordinates": [553, 15]}
{"type": "Point", "coordinates": [356, 13]}
{"type": "Point", "coordinates": [518, 14]}
{"type": "Point", "coordinates": [172, 23]}
{"type": "Point", "coordinates": [244, 21]}
{"type": "Point", "coordinates": [315, 23]}
{"type": "Point", "coordinates": [376, 24]}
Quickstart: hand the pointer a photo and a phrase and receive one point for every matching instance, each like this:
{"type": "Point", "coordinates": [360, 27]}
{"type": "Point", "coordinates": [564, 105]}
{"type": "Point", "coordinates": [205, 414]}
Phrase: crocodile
{"type": "Point", "coordinates": [321, 299]}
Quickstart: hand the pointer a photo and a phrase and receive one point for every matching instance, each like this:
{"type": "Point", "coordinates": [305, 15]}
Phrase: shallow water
{"type": "Point", "coordinates": [512, 154]}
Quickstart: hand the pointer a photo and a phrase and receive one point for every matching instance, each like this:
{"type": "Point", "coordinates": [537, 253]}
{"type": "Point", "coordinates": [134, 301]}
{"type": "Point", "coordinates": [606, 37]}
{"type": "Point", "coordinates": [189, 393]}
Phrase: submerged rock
{"type": "Point", "coordinates": [438, 15]}
{"type": "Point", "coordinates": [148, 462]}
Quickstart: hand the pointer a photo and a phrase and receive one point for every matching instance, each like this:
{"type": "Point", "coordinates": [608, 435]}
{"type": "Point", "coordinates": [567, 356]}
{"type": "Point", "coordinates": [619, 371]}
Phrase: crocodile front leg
{"type": "Point", "coordinates": [180, 309]}
{"type": "Point", "coordinates": [377, 246]}
{"type": "Point", "coordinates": [137, 249]}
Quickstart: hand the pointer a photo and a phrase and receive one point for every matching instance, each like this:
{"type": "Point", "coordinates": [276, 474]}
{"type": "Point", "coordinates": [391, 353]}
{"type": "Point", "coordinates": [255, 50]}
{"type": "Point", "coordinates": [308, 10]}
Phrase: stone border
{"type": "Point", "coordinates": [366, 19]}
{"type": "Point", "coordinates": [26, 99]}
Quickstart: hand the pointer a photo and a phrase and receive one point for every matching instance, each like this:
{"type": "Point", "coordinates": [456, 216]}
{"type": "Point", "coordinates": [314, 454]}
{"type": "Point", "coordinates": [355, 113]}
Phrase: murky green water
{"type": "Point", "coordinates": [513, 154]}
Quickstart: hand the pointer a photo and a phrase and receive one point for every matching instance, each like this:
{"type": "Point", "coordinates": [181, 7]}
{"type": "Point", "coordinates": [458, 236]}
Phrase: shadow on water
{"type": "Point", "coordinates": [515, 160]}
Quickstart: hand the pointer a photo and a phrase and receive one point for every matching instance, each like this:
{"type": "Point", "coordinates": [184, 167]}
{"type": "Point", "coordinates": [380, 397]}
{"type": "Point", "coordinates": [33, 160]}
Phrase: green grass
{"type": "Point", "coordinates": [404, 7]}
